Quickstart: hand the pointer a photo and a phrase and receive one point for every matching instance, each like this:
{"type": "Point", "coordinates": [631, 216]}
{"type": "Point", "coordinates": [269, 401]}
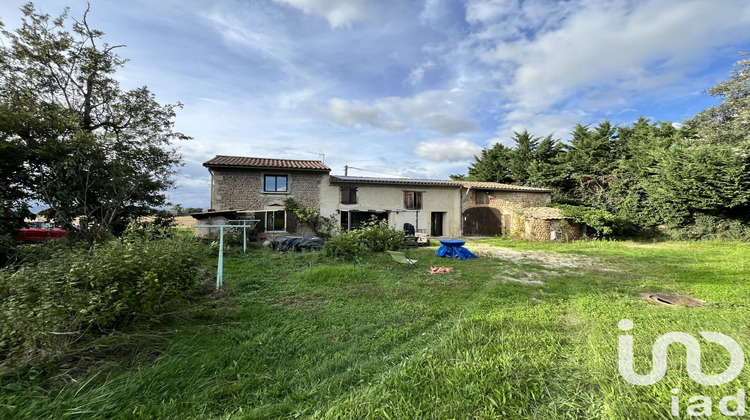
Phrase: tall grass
{"type": "Point", "coordinates": [305, 336]}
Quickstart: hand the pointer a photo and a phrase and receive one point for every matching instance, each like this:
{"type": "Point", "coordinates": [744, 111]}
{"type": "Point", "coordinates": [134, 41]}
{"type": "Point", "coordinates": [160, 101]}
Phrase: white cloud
{"type": "Point", "coordinates": [417, 74]}
{"type": "Point", "coordinates": [478, 11]}
{"type": "Point", "coordinates": [338, 12]}
{"type": "Point", "coordinates": [611, 48]}
{"type": "Point", "coordinates": [432, 11]}
{"type": "Point", "coordinates": [356, 113]}
{"type": "Point", "coordinates": [447, 150]}
{"type": "Point", "coordinates": [441, 111]}
{"type": "Point", "coordinates": [559, 124]}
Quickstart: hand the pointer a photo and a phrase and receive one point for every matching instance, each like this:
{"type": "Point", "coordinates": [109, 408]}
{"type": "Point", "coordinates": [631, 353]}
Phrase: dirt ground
{"type": "Point", "coordinates": [552, 260]}
{"type": "Point", "coordinates": [546, 259]}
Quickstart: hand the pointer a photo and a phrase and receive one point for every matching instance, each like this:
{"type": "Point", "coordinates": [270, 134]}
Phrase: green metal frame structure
{"type": "Point", "coordinates": [245, 224]}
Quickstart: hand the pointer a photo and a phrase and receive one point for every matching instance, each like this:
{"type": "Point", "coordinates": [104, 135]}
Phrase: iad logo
{"type": "Point", "coordinates": [693, 359]}
{"type": "Point", "coordinates": [693, 348]}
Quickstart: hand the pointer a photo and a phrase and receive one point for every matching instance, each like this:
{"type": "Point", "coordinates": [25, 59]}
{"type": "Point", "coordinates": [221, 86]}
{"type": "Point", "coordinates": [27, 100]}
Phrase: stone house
{"type": "Point", "coordinates": [258, 188]}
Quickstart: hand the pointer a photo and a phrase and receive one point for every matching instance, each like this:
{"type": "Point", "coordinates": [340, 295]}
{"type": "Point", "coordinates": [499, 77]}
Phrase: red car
{"type": "Point", "coordinates": [40, 231]}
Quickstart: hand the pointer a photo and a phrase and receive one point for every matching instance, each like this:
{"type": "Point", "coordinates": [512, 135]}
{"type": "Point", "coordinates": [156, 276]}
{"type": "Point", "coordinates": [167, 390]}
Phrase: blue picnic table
{"type": "Point", "coordinates": [454, 248]}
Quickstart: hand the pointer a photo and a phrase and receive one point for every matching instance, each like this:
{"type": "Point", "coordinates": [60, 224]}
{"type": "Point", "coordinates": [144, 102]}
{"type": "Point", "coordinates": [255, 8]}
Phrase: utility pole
{"type": "Point", "coordinates": [346, 170]}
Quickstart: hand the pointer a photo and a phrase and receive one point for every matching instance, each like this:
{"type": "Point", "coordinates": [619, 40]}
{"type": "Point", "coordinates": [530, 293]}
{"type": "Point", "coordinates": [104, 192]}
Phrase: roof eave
{"type": "Point", "coordinates": [274, 168]}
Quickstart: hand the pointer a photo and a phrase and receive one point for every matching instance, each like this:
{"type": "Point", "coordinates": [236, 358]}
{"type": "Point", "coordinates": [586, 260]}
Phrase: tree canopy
{"type": "Point", "coordinates": [646, 174]}
{"type": "Point", "coordinates": [72, 138]}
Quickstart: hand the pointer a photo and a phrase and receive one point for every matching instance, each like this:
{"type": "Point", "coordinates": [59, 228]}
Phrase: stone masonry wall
{"type": "Point", "coordinates": [570, 231]}
{"type": "Point", "coordinates": [533, 229]}
{"type": "Point", "coordinates": [242, 189]}
{"type": "Point", "coordinates": [507, 199]}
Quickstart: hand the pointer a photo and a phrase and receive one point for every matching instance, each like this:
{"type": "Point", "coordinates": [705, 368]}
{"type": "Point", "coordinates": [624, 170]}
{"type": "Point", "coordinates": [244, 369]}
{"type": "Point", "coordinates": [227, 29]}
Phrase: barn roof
{"type": "Point", "coordinates": [501, 187]}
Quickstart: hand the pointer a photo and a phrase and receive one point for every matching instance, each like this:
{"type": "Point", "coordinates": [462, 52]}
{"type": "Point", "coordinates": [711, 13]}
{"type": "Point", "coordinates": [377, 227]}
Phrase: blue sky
{"type": "Point", "coordinates": [413, 88]}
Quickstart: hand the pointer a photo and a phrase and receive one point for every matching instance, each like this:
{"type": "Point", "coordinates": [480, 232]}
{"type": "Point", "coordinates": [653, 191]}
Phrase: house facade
{"type": "Point", "coordinates": [429, 206]}
{"type": "Point", "coordinates": [260, 188]}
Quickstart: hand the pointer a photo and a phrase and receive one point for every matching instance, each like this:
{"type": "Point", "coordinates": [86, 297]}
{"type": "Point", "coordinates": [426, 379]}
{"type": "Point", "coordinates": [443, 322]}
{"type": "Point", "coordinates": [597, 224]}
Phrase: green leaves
{"type": "Point", "coordinates": [651, 174]}
{"type": "Point", "coordinates": [78, 291]}
{"type": "Point", "coordinates": [85, 147]}
{"type": "Point", "coordinates": [374, 236]}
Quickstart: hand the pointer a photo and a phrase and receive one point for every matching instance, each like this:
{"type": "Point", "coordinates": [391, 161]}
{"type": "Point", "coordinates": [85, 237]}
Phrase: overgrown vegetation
{"type": "Point", "coordinates": [69, 293]}
{"type": "Point", "coordinates": [601, 222]}
{"type": "Point", "coordinates": [71, 138]}
{"type": "Point", "coordinates": [322, 226]}
{"type": "Point", "coordinates": [689, 182]}
{"type": "Point", "coordinates": [303, 336]}
{"type": "Point", "coordinates": [373, 236]}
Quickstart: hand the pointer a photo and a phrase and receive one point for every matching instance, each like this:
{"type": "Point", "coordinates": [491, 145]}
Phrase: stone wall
{"type": "Point", "coordinates": [509, 202]}
{"type": "Point", "coordinates": [533, 229]}
{"type": "Point", "coordinates": [242, 189]}
{"type": "Point", "coordinates": [570, 231]}
{"type": "Point", "coordinates": [506, 199]}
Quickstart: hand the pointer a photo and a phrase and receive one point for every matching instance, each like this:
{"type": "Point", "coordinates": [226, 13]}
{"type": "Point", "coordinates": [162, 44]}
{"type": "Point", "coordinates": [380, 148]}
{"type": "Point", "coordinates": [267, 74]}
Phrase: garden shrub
{"type": "Point", "coordinates": [346, 245]}
{"type": "Point", "coordinates": [48, 304]}
{"type": "Point", "coordinates": [378, 236]}
{"type": "Point", "coordinates": [602, 222]}
{"type": "Point", "coordinates": [706, 226]}
{"type": "Point", "coordinates": [374, 236]}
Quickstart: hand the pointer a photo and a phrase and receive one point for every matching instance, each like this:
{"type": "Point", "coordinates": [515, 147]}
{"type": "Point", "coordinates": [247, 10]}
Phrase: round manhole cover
{"type": "Point", "coordinates": [671, 300]}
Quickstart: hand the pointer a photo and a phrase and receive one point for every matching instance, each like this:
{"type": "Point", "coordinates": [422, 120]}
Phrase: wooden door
{"type": "Point", "coordinates": [436, 224]}
{"type": "Point", "coordinates": [482, 221]}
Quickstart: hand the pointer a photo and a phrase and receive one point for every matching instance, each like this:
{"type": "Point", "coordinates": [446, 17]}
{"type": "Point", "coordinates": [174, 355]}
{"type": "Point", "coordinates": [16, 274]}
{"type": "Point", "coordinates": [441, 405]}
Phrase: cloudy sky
{"type": "Point", "coordinates": [411, 88]}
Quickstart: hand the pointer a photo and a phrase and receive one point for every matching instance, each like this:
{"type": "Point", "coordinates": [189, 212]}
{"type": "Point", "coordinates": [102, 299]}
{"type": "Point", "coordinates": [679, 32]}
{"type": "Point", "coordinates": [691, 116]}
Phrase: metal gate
{"type": "Point", "coordinates": [482, 221]}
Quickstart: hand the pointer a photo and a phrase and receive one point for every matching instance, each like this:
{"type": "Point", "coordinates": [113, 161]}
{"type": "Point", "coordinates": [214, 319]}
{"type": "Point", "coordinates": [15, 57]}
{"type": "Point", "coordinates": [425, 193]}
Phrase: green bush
{"type": "Point", "coordinates": [602, 222]}
{"type": "Point", "coordinates": [706, 226]}
{"type": "Point", "coordinates": [322, 226]}
{"type": "Point", "coordinates": [374, 236]}
{"type": "Point", "coordinates": [346, 245]}
{"type": "Point", "coordinates": [378, 236]}
{"type": "Point", "coordinates": [46, 305]}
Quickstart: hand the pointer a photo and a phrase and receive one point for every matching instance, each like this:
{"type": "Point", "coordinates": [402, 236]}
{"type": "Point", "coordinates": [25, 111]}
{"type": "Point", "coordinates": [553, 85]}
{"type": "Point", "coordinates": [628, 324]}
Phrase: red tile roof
{"type": "Point", "coordinates": [264, 163]}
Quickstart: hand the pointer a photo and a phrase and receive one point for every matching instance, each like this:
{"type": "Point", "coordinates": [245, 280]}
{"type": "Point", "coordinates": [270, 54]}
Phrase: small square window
{"type": "Point", "coordinates": [413, 200]}
{"type": "Point", "coordinates": [483, 197]}
{"type": "Point", "coordinates": [348, 195]}
{"type": "Point", "coordinates": [275, 183]}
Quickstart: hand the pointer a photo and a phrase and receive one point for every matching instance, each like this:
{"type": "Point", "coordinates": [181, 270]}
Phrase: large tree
{"type": "Point", "coordinates": [80, 144]}
{"type": "Point", "coordinates": [492, 165]}
{"type": "Point", "coordinates": [532, 161]}
{"type": "Point", "coordinates": [707, 172]}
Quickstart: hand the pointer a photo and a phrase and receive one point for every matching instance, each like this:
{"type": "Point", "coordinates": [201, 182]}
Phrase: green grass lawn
{"type": "Point", "coordinates": [530, 332]}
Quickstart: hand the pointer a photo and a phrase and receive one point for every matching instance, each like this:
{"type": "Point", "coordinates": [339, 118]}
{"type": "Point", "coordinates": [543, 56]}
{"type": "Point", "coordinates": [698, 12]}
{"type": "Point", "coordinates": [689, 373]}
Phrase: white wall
{"type": "Point", "coordinates": [391, 197]}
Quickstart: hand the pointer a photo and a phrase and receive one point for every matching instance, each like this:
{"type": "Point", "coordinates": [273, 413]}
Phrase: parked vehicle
{"type": "Point", "coordinates": [40, 232]}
